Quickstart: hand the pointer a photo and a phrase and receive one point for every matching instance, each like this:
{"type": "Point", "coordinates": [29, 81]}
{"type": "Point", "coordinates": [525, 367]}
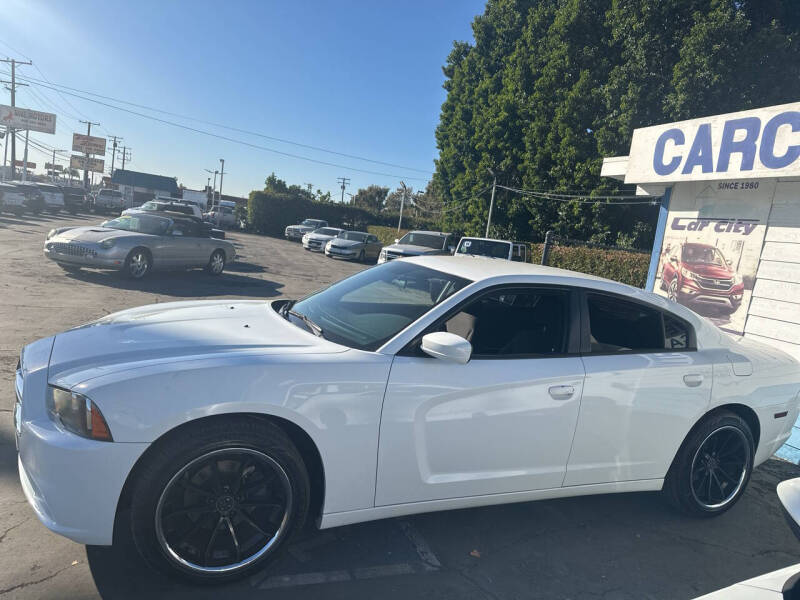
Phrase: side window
{"type": "Point", "coordinates": [514, 323]}
{"type": "Point", "coordinates": [677, 333]}
{"type": "Point", "coordinates": [619, 326]}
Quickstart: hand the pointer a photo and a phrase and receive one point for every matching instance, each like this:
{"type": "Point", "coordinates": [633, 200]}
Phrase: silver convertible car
{"type": "Point", "coordinates": [138, 243]}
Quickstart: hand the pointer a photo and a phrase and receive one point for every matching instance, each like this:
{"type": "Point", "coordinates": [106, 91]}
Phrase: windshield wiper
{"type": "Point", "coordinates": [315, 329]}
{"type": "Point", "coordinates": [286, 306]}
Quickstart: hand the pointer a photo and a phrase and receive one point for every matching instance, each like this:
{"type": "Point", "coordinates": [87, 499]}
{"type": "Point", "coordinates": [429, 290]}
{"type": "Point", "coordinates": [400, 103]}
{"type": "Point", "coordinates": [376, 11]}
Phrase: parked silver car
{"type": "Point", "coordinates": [418, 243]}
{"type": "Point", "coordinates": [138, 243]}
{"type": "Point", "coordinates": [108, 200]}
{"type": "Point", "coordinates": [356, 245]}
{"type": "Point", "coordinates": [316, 240]}
{"type": "Point", "coordinates": [296, 232]}
{"type": "Point", "coordinates": [53, 197]}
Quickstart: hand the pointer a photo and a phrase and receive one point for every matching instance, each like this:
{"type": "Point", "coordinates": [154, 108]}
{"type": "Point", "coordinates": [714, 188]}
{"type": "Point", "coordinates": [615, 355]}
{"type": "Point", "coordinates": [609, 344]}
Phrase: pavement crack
{"type": "Point", "coordinates": [12, 528]}
{"type": "Point", "coordinates": [25, 584]}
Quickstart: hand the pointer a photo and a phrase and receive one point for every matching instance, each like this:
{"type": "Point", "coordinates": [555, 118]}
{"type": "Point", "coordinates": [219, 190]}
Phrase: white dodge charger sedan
{"type": "Point", "coordinates": [214, 429]}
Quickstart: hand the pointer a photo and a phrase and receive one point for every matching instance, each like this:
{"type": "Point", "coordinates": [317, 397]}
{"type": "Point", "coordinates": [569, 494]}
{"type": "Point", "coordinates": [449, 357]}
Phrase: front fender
{"type": "Point", "coordinates": [335, 398]}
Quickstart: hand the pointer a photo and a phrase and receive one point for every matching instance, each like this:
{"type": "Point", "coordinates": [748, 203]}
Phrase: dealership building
{"type": "Point", "coordinates": [727, 242]}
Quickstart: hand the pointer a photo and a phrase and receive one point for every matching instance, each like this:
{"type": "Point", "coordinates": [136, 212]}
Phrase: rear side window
{"type": "Point", "coordinates": [619, 326]}
{"type": "Point", "coordinates": [677, 333]}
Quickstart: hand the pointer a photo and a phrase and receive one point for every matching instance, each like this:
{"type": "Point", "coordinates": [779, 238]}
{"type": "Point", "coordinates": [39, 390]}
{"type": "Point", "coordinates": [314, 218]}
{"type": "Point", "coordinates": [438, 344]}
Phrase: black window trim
{"type": "Point", "coordinates": [573, 323]}
{"type": "Point", "coordinates": [586, 346]}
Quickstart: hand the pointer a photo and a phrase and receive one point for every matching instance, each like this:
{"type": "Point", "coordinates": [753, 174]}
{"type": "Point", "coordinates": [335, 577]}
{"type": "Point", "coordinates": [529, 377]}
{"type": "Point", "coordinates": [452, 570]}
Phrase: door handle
{"type": "Point", "coordinates": [561, 392]}
{"type": "Point", "coordinates": [693, 380]}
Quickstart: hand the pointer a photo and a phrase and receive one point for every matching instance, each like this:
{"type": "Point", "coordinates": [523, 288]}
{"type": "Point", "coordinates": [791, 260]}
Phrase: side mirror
{"type": "Point", "coordinates": [447, 346]}
{"type": "Point", "coordinates": [789, 495]}
{"type": "Point", "coordinates": [673, 259]}
{"type": "Point", "coordinates": [396, 240]}
{"type": "Point", "coordinates": [451, 249]}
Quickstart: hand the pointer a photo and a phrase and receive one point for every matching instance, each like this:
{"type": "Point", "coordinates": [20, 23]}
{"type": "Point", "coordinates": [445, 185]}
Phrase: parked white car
{"type": "Point", "coordinates": [108, 201]}
{"type": "Point", "coordinates": [53, 197]}
{"type": "Point", "coordinates": [492, 248]}
{"type": "Point", "coordinates": [12, 199]}
{"type": "Point", "coordinates": [431, 383]}
{"type": "Point", "coordinates": [296, 232]}
{"type": "Point", "coordinates": [318, 239]}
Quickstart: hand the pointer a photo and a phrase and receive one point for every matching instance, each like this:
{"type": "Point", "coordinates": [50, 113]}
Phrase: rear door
{"type": "Point", "coordinates": [646, 385]}
{"type": "Point", "coordinates": [504, 421]}
{"type": "Point", "coordinates": [373, 246]}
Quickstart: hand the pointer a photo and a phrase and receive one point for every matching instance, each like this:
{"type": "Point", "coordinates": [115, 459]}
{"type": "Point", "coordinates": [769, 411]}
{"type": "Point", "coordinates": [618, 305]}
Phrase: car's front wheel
{"type": "Point", "coordinates": [216, 501]}
{"type": "Point", "coordinates": [138, 263]}
{"type": "Point", "coordinates": [672, 290]}
{"type": "Point", "coordinates": [712, 467]}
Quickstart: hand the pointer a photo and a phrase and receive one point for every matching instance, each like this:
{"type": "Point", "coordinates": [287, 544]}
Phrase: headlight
{"type": "Point", "coordinates": [737, 279]}
{"type": "Point", "coordinates": [51, 233]}
{"type": "Point", "coordinates": [305, 238]}
{"type": "Point", "coordinates": [383, 253]}
{"type": "Point", "coordinates": [687, 273]}
{"type": "Point", "coordinates": [76, 413]}
{"type": "Point", "coordinates": [108, 243]}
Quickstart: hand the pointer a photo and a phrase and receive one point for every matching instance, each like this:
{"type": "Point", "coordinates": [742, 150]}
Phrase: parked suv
{"type": "Point", "coordinates": [75, 199]}
{"type": "Point", "coordinates": [34, 199]}
{"type": "Point", "coordinates": [109, 201]}
{"type": "Point", "coordinates": [698, 276]}
{"type": "Point", "coordinates": [417, 243]}
{"type": "Point", "coordinates": [296, 232]}
{"type": "Point", "coordinates": [472, 246]}
{"type": "Point", "coordinates": [53, 197]}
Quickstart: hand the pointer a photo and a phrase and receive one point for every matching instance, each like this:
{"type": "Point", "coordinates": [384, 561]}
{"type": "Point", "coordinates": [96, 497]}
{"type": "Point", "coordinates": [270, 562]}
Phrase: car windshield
{"type": "Point", "coordinates": [139, 223]}
{"type": "Point", "coordinates": [311, 223]}
{"type": "Point", "coordinates": [327, 231]}
{"type": "Point", "coordinates": [706, 255]}
{"type": "Point", "coordinates": [489, 248]}
{"type": "Point", "coordinates": [149, 206]}
{"type": "Point", "coordinates": [429, 240]}
{"type": "Point", "coordinates": [369, 308]}
{"type": "Point", "coordinates": [355, 236]}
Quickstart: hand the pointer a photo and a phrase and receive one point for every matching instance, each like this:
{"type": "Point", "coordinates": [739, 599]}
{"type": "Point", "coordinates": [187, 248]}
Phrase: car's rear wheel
{"type": "Point", "coordinates": [215, 502]}
{"type": "Point", "coordinates": [712, 467]}
{"type": "Point", "coordinates": [216, 264]}
{"type": "Point", "coordinates": [138, 263]}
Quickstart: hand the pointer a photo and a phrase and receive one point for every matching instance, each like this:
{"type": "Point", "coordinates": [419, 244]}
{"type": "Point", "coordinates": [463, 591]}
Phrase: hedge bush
{"type": "Point", "coordinates": [619, 265]}
{"type": "Point", "coordinates": [387, 235]}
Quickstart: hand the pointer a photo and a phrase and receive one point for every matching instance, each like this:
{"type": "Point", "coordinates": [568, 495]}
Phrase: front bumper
{"type": "Point", "coordinates": [339, 253]}
{"type": "Point", "coordinates": [293, 234]}
{"type": "Point", "coordinates": [314, 246]}
{"type": "Point", "coordinates": [89, 255]}
{"type": "Point", "coordinates": [692, 294]}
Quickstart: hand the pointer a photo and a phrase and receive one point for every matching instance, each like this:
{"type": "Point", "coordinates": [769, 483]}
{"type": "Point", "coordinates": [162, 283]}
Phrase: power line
{"type": "Point", "coordinates": [583, 198]}
{"type": "Point", "coordinates": [234, 140]}
{"type": "Point", "coordinates": [222, 126]}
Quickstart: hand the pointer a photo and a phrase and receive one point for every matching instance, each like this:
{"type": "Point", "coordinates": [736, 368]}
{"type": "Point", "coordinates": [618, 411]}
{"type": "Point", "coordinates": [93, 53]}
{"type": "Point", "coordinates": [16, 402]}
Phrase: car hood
{"type": "Point", "coordinates": [93, 234]}
{"type": "Point", "coordinates": [176, 331]}
{"type": "Point", "coordinates": [707, 270]}
{"type": "Point", "coordinates": [411, 250]}
{"type": "Point", "coordinates": [305, 228]}
{"type": "Point", "coordinates": [320, 236]}
{"type": "Point", "coordinates": [342, 243]}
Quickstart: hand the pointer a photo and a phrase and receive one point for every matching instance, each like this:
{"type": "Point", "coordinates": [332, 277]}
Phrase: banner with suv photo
{"type": "Point", "coordinates": [712, 244]}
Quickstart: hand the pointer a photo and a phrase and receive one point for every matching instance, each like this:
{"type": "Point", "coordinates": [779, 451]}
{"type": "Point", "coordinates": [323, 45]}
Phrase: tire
{"type": "Point", "coordinates": [216, 264]}
{"type": "Point", "coordinates": [238, 444]}
{"type": "Point", "coordinates": [672, 290]}
{"type": "Point", "coordinates": [698, 466]}
{"type": "Point", "coordinates": [138, 263]}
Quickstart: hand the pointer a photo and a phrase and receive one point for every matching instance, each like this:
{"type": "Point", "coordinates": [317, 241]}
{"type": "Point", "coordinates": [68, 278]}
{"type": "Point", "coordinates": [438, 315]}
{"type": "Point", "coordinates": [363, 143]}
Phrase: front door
{"type": "Point", "coordinates": [504, 421]}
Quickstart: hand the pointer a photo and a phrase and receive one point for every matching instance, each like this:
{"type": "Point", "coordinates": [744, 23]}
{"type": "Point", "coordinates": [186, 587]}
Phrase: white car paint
{"type": "Point", "coordinates": [396, 434]}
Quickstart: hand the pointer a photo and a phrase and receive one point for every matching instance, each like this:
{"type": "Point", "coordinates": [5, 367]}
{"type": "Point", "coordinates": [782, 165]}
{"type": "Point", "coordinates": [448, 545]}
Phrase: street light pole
{"type": "Point", "coordinates": [221, 175]}
{"type": "Point", "coordinates": [491, 203]}
{"type": "Point", "coordinates": [402, 202]}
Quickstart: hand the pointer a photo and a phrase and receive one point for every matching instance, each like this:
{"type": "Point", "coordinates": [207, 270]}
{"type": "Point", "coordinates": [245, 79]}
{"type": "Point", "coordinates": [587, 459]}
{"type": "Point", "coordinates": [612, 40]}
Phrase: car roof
{"type": "Point", "coordinates": [469, 237]}
{"type": "Point", "coordinates": [439, 233]}
{"type": "Point", "coordinates": [175, 216]}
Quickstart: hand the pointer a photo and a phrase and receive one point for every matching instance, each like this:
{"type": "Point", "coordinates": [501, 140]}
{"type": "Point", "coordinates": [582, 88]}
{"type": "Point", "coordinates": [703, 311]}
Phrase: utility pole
{"type": "Point", "coordinates": [219, 208]}
{"type": "Point", "coordinates": [115, 139]}
{"type": "Point", "coordinates": [343, 181]}
{"type": "Point", "coordinates": [402, 202]}
{"type": "Point", "coordinates": [86, 156]}
{"type": "Point", "coordinates": [491, 203]}
{"type": "Point", "coordinates": [13, 90]}
{"type": "Point", "coordinates": [53, 164]}
{"type": "Point", "coordinates": [126, 155]}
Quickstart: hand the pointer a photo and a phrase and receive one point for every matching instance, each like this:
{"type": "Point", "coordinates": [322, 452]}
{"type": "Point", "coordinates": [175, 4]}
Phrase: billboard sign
{"type": "Point", "coordinates": [24, 118]}
{"type": "Point", "coordinates": [87, 163]}
{"type": "Point", "coordinates": [88, 144]}
{"type": "Point", "coordinates": [711, 249]}
{"type": "Point", "coordinates": [21, 163]}
{"type": "Point", "coordinates": [751, 144]}
{"type": "Point", "coordinates": [52, 167]}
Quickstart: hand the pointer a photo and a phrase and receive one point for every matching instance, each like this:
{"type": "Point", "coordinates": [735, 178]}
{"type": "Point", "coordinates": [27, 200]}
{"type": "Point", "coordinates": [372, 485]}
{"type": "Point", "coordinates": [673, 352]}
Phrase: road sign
{"type": "Point", "coordinates": [52, 167]}
{"type": "Point", "coordinates": [21, 163]}
{"type": "Point", "coordinates": [88, 144]}
{"type": "Point", "coordinates": [89, 164]}
{"type": "Point", "coordinates": [24, 118]}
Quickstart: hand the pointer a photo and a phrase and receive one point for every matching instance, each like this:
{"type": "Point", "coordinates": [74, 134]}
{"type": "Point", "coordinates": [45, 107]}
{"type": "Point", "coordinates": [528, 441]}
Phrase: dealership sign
{"type": "Point", "coordinates": [51, 167]}
{"type": "Point", "coordinates": [755, 143]}
{"type": "Point", "coordinates": [87, 163]}
{"type": "Point", "coordinates": [24, 118]}
{"type": "Point", "coordinates": [26, 165]}
{"type": "Point", "coordinates": [88, 144]}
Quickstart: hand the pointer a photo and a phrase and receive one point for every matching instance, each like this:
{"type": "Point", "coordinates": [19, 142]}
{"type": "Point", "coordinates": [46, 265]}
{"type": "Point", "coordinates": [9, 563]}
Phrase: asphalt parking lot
{"type": "Point", "coordinates": [610, 547]}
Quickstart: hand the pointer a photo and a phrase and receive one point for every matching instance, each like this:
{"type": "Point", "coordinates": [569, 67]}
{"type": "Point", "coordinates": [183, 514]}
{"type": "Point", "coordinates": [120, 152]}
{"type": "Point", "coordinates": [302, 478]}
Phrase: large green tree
{"type": "Point", "coordinates": [550, 87]}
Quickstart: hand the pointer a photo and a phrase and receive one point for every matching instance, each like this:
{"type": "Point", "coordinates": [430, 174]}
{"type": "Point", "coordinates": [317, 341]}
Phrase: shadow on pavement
{"type": "Point", "coordinates": [189, 284]}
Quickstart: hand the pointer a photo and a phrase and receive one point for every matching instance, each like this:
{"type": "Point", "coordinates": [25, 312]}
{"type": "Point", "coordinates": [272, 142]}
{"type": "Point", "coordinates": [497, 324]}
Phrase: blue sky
{"type": "Point", "coordinates": [359, 77]}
